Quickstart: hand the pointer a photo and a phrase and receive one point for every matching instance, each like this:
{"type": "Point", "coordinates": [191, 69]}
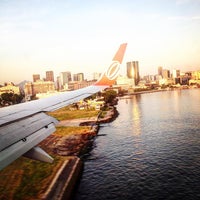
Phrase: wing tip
{"type": "Point", "coordinates": [110, 75]}
{"type": "Point", "coordinates": [120, 53]}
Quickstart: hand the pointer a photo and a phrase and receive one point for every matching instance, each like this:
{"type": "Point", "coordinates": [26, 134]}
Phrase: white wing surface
{"type": "Point", "coordinates": [25, 125]}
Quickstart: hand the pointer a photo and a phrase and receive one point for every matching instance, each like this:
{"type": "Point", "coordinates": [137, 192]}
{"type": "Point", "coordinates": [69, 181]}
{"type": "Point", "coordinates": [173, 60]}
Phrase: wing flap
{"type": "Point", "coordinates": [19, 148]}
{"type": "Point", "coordinates": [18, 130]}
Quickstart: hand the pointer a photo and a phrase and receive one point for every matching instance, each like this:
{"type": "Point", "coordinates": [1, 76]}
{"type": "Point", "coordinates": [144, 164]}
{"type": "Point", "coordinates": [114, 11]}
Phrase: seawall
{"type": "Point", "coordinates": [62, 186]}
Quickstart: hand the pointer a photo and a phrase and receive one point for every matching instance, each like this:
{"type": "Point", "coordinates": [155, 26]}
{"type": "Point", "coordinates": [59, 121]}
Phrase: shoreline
{"type": "Point", "coordinates": [79, 147]}
{"type": "Point", "coordinates": [153, 91]}
{"type": "Point", "coordinates": [74, 148]}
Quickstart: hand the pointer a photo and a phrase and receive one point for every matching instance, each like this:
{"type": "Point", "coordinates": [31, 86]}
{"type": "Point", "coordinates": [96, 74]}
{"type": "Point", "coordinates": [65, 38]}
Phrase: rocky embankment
{"type": "Point", "coordinates": [74, 145]}
{"type": "Point", "coordinates": [80, 144]}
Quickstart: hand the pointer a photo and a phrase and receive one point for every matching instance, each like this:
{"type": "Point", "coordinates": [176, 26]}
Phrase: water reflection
{"type": "Point", "coordinates": [136, 114]}
{"type": "Point", "coordinates": [176, 103]}
{"type": "Point", "coordinates": [133, 108]}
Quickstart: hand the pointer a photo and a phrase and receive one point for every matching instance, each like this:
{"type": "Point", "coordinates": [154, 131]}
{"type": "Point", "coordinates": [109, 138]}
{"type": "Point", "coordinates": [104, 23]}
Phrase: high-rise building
{"type": "Point", "coordinates": [175, 73]}
{"type": "Point", "coordinates": [165, 73]}
{"type": "Point", "coordinates": [78, 77]}
{"type": "Point", "coordinates": [133, 71]}
{"type": "Point", "coordinates": [58, 83]}
{"type": "Point", "coordinates": [36, 77]}
{"type": "Point", "coordinates": [49, 76]}
{"type": "Point", "coordinates": [65, 78]}
{"type": "Point", "coordinates": [96, 76]}
{"type": "Point", "coordinates": [160, 71]}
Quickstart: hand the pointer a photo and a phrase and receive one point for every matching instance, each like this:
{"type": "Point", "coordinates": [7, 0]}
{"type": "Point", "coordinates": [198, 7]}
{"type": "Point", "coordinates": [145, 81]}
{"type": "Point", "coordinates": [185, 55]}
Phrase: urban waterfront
{"type": "Point", "coordinates": [151, 151]}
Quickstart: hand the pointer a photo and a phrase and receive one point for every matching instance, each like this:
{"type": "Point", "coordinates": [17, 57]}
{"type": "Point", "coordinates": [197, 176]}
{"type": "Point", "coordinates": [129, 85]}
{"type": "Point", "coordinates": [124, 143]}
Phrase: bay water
{"type": "Point", "coordinates": [151, 150]}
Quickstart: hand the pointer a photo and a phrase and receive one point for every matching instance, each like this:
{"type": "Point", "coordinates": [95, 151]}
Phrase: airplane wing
{"type": "Point", "coordinates": [25, 125]}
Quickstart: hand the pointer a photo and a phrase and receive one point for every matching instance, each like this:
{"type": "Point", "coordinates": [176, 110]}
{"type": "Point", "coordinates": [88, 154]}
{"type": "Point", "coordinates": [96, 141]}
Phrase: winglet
{"type": "Point", "coordinates": [120, 53]}
{"type": "Point", "coordinates": [109, 76]}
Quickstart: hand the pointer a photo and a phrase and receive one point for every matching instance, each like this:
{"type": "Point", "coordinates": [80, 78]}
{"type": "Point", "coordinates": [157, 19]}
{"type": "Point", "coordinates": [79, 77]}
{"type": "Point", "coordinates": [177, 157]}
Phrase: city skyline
{"type": "Point", "coordinates": [61, 36]}
{"type": "Point", "coordinates": [36, 77]}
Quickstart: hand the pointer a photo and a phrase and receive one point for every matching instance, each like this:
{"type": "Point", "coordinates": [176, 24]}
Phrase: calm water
{"type": "Point", "coordinates": [151, 151]}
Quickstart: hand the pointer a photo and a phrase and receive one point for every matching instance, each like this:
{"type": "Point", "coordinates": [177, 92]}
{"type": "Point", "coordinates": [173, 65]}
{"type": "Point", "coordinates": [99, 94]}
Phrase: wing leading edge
{"type": "Point", "coordinates": [25, 125]}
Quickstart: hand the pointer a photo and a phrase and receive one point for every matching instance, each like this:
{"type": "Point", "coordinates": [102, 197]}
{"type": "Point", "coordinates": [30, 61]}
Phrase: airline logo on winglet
{"type": "Point", "coordinates": [112, 72]}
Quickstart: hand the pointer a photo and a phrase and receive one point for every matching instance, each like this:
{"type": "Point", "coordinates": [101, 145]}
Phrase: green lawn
{"type": "Point", "coordinates": [70, 130]}
{"type": "Point", "coordinates": [26, 179]}
{"type": "Point", "coordinates": [65, 114]}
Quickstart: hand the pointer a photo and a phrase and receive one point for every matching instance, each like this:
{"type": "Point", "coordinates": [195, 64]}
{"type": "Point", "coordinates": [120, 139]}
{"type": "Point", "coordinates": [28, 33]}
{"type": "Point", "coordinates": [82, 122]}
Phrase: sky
{"type": "Point", "coordinates": [82, 36]}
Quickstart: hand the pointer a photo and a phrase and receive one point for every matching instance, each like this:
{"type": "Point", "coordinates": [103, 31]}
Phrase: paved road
{"type": "Point", "coordinates": [76, 122]}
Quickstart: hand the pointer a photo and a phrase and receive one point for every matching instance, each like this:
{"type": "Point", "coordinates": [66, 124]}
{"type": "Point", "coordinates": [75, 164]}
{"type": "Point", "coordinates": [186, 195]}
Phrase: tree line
{"type": "Point", "coordinates": [7, 99]}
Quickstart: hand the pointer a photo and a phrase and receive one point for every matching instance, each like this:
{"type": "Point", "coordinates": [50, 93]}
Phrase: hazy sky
{"type": "Point", "coordinates": [83, 35]}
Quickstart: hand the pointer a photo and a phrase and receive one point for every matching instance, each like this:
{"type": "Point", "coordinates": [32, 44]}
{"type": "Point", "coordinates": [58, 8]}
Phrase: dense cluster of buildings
{"type": "Point", "coordinates": [176, 77]}
{"type": "Point", "coordinates": [65, 81]}
{"type": "Point", "coordinates": [163, 78]}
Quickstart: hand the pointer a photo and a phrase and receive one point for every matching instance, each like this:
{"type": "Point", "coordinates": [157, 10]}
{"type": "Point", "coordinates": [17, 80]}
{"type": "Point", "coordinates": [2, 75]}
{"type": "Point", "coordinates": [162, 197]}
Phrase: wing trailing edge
{"type": "Point", "coordinates": [20, 137]}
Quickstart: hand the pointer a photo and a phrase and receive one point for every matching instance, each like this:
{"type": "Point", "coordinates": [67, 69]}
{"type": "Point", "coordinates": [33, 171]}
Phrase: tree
{"type": "Point", "coordinates": [7, 97]}
{"type": "Point", "coordinates": [10, 98]}
{"type": "Point", "coordinates": [16, 98]}
{"type": "Point", "coordinates": [109, 96]}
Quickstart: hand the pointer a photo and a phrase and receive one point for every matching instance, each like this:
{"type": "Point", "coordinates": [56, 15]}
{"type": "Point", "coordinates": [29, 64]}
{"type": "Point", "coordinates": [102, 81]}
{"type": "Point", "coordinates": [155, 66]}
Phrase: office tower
{"type": "Point", "coordinates": [96, 76]}
{"type": "Point", "coordinates": [176, 76]}
{"type": "Point", "coordinates": [49, 76]}
{"type": "Point", "coordinates": [165, 73]}
{"type": "Point", "coordinates": [175, 73]}
{"type": "Point", "coordinates": [75, 77]}
{"type": "Point", "coordinates": [58, 83]}
{"type": "Point", "coordinates": [78, 77]}
{"type": "Point", "coordinates": [133, 71]}
{"type": "Point", "coordinates": [160, 69]}
{"type": "Point", "coordinates": [36, 77]}
{"type": "Point", "coordinates": [65, 78]}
